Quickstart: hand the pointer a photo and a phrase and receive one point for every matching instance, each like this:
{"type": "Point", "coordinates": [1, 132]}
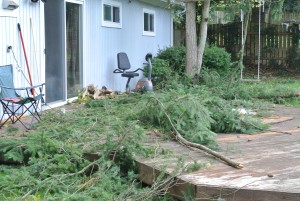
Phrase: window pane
{"type": "Point", "coordinates": [116, 14]}
{"type": "Point", "coordinates": [107, 13]}
{"type": "Point", "coordinates": [151, 23]}
{"type": "Point", "coordinates": [146, 22]}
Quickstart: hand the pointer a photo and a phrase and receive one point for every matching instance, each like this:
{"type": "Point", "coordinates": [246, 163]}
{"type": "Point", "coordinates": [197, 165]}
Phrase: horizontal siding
{"type": "Point", "coordinates": [103, 43]}
{"type": "Point", "coordinates": [8, 37]}
{"type": "Point", "coordinates": [32, 41]}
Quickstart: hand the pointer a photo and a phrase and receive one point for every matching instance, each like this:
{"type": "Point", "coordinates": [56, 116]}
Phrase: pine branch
{"type": "Point", "coordinates": [187, 143]}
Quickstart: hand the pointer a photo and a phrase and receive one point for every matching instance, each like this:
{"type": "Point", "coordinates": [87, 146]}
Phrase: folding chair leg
{"type": "Point", "coordinates": [12, 113]}
{"type": "Point", "coordinates": [2, 123]}
{"type": "Point", "coordinates": [7, 111]}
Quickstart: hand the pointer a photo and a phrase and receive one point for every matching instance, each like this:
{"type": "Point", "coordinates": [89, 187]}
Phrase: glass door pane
{"type": "Point", "coordinates": [74, 47]}
{"type": "Point", "coordinates": [55, 51]}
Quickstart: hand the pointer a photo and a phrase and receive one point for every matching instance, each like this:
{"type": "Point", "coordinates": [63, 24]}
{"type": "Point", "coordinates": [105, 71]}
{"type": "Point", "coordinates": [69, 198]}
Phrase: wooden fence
{"type": "Point", "coordinates": [279, 44]}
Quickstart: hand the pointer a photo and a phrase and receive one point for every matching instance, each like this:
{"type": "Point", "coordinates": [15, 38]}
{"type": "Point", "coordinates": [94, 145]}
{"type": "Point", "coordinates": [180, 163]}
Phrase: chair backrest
{"type": "Point", "coordinates": [7, 80]}
{"type": "Point", "coordinates": [123, 61]}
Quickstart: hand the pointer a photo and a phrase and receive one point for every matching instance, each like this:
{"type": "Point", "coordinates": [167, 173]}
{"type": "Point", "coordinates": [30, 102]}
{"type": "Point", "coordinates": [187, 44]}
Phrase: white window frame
{"type": "Point", "coordinates": [111, 23]}
{"type": "Point", "coordinates": [151, 12]}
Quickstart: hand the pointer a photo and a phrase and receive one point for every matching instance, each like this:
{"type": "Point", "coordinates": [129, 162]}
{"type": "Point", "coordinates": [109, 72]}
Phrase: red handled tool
{"type": "Point", "coordinates": [27, 64]}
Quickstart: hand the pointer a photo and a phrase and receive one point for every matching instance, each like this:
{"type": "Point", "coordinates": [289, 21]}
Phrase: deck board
{"type": "Point", "coordinates": [271, 165]}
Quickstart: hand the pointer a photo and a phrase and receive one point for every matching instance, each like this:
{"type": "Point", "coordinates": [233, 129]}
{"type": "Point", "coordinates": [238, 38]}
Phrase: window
{"type": "Point", "coordinates": [149, 22]}
{"type": "Point", "coordinates": [112, 12]}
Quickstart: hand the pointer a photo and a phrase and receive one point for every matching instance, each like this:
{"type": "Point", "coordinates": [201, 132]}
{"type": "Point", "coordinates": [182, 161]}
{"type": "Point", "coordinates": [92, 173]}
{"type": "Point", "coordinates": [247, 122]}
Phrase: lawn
{"type": "Point", "coordinates": [284, 91]}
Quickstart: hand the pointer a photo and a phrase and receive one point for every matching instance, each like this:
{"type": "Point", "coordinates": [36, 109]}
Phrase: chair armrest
{"type": "Point", "coordinates": [23, 88]}
{"type": "Point", "coordinates": [138, 70]}
{"type": "Point", "coordinates": [33, 87]}
{"type": "Point", "coordinates": [118, 71]}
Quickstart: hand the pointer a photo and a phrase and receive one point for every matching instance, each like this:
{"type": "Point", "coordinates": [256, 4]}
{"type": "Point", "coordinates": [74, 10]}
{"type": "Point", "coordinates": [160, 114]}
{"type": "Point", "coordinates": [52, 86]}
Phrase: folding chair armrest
{"type": "Point", "coordinates": [23, 88]}
{"type": "Point", "coordinates": [5, 87]}
{"type": "Point", "coordinates": [33, 87]}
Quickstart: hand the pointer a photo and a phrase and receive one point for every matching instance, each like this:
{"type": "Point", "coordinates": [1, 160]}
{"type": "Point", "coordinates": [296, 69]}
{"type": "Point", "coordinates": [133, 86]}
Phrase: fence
{"type": "Point", "coordinates": [279, 44]}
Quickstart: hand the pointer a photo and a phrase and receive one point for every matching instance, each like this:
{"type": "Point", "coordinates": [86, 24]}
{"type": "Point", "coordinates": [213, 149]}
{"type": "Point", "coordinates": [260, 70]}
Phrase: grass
{"type": "Point", "coordinates": [276, 90]}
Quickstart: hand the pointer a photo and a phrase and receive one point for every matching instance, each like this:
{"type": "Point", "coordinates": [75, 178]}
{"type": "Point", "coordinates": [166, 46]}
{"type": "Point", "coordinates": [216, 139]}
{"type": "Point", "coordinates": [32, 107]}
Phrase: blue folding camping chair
{"type": "Point", "coordinates": [18, 101]}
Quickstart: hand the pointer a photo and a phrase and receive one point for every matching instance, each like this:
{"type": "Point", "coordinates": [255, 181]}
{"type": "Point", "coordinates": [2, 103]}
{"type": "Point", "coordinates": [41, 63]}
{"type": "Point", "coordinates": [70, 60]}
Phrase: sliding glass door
{"type": "Point", "coordinates": [73, 48]}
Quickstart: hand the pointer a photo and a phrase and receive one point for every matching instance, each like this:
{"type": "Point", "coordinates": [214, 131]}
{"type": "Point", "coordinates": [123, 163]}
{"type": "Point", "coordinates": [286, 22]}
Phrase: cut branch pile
{"type": "Point", "coordinates": [98, 94]}
{"type": "Point", "coordinates": [187, 143]}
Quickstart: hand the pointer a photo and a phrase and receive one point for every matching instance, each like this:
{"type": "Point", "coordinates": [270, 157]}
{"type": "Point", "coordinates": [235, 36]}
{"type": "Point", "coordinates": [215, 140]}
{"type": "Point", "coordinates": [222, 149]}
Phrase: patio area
{"type": "Point", "coordinates": [271, 164]}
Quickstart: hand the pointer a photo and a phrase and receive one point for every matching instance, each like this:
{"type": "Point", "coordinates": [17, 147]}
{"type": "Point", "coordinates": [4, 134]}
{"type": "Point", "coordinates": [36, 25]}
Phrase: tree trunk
{"type": "Point", "coordinates": [240, 63]}
{"type": "Point", "coordinates": [203, 34]}
{"type": "Point", "coordinates": [191, 40]}
{"type": "Point", "coordinates": [245, 28]}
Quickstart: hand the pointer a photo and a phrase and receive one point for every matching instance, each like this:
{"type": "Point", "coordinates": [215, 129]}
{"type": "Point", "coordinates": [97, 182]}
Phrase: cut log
{"type": "Point", "coordinates": [91, 89]}
{"type": "Point", "coordinates": [97, 93]}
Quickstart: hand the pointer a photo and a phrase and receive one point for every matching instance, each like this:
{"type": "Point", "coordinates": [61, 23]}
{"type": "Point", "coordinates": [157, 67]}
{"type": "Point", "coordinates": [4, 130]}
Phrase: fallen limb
{"type": "Point", "coordinates": [187, 143]}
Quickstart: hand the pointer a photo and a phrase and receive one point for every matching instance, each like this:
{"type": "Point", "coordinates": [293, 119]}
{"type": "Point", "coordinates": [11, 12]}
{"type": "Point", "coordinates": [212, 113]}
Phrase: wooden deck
{"type": "Point", "coordinates": [271, 164]}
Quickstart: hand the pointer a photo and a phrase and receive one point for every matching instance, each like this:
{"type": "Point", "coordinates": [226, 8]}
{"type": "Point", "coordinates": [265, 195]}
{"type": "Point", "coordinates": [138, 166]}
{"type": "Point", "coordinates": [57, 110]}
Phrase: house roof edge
{"type": "Point", "coordinates": [159, 3]}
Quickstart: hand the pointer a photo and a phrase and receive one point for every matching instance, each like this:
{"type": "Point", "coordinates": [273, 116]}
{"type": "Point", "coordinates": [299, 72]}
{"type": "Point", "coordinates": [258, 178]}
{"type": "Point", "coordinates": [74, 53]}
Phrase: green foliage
{"type": "Point", "coordinates": [276, 9]}
{"type": "Point", "coordinates": [189, 194]}
{"type": "Point", "coordinates": [161, 71]}
{"type": "Point", "coordinates": [227, 118]}
{"type": "Point", "coordinates": [175, 56]}
{"type": "Point", "coordinates": [293, 102]}
{"type": "Point", "coordinates": [217, 59]}
{"type": "Point", "coordinates": [187, 113]}
{"type": "Point", "coordinates": [53, 160]}
{"type": "Point", "coordinates": [12, 130]}
{"type": "Point", "coordinates": [294, 58]}
{"type": "Point", "coordinates": [211, 78]}
{"type": "Point", "coordinates": [169, 65]}
{"type": "Point", "coordinates": [57, 168]}
{"type": "Point", "coordinates": [273, 90]}
{"type": "Point", "coordinates": [291, 6]}
{"type": "Point", "coordinates": [195, 166]}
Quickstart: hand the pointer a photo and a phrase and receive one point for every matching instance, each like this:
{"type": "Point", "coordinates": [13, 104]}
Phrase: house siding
{"type": "Point", "coordinates": [32, 40]}
{"type": "Point", "coordinates": [103, 43]}
{"type": "Point", "coordinates": [100, 44]}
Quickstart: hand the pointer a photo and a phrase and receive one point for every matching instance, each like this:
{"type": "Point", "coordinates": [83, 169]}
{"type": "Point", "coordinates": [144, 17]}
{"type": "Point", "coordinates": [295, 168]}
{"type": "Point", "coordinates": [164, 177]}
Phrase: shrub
{"type": "Point", "coordinates": [175, 56]}
{"type": "Point", "coordinates": [217, 59]}
{"type": "Point", "coordinates": [161, 71]}
{"type": "Point", "coordinates": [214, 58]}
{"type": "Point", "coordinates": [293, 58]}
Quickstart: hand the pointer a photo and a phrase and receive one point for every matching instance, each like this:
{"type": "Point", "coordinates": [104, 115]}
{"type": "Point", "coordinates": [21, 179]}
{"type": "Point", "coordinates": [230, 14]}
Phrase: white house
{"type": "Point", "coordinates": [73, 43]}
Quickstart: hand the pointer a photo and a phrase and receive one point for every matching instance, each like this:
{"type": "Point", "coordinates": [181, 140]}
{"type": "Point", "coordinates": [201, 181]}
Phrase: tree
{"type": "Point", "coordinates": [195, 51]}
{"type": "Point", "coordinates": [195, 45]}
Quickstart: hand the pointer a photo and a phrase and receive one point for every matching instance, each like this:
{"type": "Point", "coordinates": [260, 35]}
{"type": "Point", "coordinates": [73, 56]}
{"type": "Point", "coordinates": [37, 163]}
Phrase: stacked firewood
{"type": "Point", "coordinates": [98, 94]}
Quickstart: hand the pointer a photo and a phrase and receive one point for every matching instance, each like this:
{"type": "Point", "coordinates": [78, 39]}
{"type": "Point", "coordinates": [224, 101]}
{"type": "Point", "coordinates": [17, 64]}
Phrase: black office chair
{"type": "Point", "coordinates": [123, 67]}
